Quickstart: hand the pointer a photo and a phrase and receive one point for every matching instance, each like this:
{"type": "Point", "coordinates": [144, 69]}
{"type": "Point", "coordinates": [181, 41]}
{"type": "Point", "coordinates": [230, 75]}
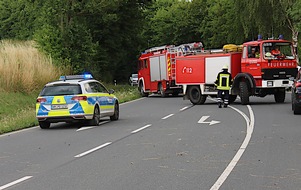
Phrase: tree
{"type": "Point", "coordinates": [64, 34]}
{"type": "Point", "coordinates": [17, 19]}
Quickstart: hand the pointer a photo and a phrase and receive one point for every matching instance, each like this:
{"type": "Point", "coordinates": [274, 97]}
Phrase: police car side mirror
{"type": "Point", "coordinates": [111, 91]}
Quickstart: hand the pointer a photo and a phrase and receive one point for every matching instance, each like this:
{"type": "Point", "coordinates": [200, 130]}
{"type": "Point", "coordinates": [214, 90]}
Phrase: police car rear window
{"type": "Point", "coordinates": [59, 90]}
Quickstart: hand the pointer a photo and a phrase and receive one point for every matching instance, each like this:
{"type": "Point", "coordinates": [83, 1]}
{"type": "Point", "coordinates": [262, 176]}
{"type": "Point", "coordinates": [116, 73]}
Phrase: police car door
{"type": "Point", "coordinates": [104, 99]}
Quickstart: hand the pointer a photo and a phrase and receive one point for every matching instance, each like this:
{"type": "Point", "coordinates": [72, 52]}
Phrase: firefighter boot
{"type": "Point", "coordinates": [226, 103]}
{"type": "Point", "coordinates": [219, 104]}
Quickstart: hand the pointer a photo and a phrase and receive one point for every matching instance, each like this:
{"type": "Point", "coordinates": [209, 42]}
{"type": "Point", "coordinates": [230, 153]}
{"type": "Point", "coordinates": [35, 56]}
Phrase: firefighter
{"type": "Point", "coordinates": [223, 84]}
{"type": "Point", "coordinates": [276, 51]}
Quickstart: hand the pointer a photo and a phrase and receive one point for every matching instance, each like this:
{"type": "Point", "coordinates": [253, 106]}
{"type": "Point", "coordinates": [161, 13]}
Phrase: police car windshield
{"type": "Point", "coordinates": [58, 90]}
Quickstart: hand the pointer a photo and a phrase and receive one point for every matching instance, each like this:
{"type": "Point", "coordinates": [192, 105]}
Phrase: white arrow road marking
{"type": "Point", "coordinates": [203, 118]}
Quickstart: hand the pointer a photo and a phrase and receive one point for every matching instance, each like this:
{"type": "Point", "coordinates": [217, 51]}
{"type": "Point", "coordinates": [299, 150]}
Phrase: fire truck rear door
{"type": "Point", "coordinates": [158, 69]}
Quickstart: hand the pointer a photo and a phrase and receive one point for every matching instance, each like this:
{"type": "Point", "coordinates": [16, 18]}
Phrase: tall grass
{"type": "Point", "coordinates": [23, 68]}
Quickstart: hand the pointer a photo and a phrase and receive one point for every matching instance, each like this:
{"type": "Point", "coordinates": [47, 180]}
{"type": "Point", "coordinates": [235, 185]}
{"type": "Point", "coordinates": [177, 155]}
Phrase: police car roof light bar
{"type": "Point", "coordinates": [70, 77]}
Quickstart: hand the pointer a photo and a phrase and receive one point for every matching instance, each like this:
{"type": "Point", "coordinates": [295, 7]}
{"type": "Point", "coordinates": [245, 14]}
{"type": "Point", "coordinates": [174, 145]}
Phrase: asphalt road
{"type": "Point", "coordinates": [162, 144]}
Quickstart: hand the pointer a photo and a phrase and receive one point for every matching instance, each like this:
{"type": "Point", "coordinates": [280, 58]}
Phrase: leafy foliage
{"type": "Point", "coordinates": [105, 37]}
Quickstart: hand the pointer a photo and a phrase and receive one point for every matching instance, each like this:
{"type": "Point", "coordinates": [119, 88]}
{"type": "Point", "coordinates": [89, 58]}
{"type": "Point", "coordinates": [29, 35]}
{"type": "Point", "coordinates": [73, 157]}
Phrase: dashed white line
{"type": "Point", "coordinates": [232, 164]}
{"type": "Point", "coordinates": [182, 109]}
{"type": "Point", "coordinates": [140, 129]}
{"type": "Point", "coordinates": [92, 150]}
{"type": "Point", "coordinates": [85, 128]}
{"type": "Point", "coordinates": [168, 116]}
{"type": "Point", "coordinates": [15, 182]}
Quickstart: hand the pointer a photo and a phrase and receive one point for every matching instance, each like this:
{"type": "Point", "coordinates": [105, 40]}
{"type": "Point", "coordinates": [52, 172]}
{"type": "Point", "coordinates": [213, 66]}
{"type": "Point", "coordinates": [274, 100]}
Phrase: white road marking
{"type": "Point", "coordinates": [84, 128]}
{"type": "Point", "coordinates": [132, 101]}
{"type": "Point", "coordinates": [182, 109]}
{"type": "Point", "coordinates": [92, 150]}
{"type": "Point", "coordinates": [168, 116]}
{"type": "Point", "coordinates": [15, 132]}
{"type": "Point", "coordinates": [203, 118]}
{"type": "Point", "coordinates": [232, 164]}
{"type": "Point", "coordinates": [15, 182]}
{"type": "Point", "coordinates": [140, 129]}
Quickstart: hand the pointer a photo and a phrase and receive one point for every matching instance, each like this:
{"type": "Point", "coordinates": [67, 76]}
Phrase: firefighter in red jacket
{"type": "Point", "coordinates": [223, 83]}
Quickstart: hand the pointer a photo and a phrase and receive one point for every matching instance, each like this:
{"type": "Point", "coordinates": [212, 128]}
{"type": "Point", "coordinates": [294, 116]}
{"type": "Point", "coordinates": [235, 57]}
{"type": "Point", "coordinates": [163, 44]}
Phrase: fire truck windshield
{"type": "Point", "coordinates": [278, 50]}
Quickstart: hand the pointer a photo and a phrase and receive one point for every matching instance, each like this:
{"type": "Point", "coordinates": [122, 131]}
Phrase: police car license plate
{"type": "Point", "coordinates": [63, 106]}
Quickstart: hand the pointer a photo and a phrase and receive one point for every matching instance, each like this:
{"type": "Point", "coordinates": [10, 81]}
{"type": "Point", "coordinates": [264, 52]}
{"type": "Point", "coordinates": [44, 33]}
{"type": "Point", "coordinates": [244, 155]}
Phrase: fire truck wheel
{"type": "Point", "coordinates": [142, 93]}
{"type": "Point", "coordinates": [280, 96]}
{"type": "Point", "coordinates": [243, 93]}
{"type": "Point", "coordinates": [161, 90]}
{"type": "Point", "coordinates": [195, 95]}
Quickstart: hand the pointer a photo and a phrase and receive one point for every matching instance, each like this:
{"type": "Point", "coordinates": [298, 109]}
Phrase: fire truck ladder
{"type": "Point", "coordinates": [159, 48]}
{"type": "Point", "coordinates": [173, 53]}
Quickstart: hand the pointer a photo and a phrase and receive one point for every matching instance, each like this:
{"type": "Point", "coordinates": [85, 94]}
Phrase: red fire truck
{"type": "Point", "coordinates": [255, 74]}
{"type": "Point", "coordinates": [156, 69]}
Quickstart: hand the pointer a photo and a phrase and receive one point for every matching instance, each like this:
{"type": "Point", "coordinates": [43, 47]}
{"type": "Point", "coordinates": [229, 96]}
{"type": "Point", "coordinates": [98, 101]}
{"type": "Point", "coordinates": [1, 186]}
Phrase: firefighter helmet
{"type": "Point", "coordinates": [225, 67]}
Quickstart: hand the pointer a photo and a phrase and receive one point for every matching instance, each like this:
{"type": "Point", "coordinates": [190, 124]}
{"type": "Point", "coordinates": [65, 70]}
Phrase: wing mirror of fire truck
{"type": "Point", "coordinates": [292, 79]}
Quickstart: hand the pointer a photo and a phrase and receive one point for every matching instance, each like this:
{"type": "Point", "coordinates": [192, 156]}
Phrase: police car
{"type": "Point", "coordinates": [75, 98]}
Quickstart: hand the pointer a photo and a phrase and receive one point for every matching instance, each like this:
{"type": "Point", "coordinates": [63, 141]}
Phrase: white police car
{"type": "Point", "coordinates": [75, 98]}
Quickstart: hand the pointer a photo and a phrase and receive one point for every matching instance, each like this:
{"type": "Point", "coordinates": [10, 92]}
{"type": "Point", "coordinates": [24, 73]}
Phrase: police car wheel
{"type": "Point", "coordinates": [96, 117]}
{"type": "Point", "coordinates": [44, 124]}
{"type": "Point", "coordinates": [116, 113]}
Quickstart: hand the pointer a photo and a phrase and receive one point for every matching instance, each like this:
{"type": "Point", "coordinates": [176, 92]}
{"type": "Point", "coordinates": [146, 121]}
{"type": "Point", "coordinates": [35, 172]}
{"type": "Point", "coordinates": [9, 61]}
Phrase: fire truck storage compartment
{"type": "Point", "coordinates": [190, 70]}
{"type": "Point", "coordinates": [200, 69]}
{"type": "Point", "coordinates": [158, 69]}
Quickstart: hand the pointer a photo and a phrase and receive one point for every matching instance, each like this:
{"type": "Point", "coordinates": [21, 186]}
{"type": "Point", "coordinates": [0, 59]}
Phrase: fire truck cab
{"type": "Point", "coordinates": [256, 68]}
{"type": "Point", "coordinates": [268, 72]}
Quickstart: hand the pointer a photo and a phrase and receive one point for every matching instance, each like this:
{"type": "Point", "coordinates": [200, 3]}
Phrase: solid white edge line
{"type": "Point", "coordinates": [167, 116]}
{"type": "Point", "coordinates": [232, 164]}
{"type": "Point", "coordinates": [92, 150]}
{"type": "Point", "coordinates": [137, 130]}
{"type": "Point", "coordinates": [19, 131]}
{"type": "Point", "coordinates": [132, 101]}
{"type": "Point", "coordinates": [15, 182]}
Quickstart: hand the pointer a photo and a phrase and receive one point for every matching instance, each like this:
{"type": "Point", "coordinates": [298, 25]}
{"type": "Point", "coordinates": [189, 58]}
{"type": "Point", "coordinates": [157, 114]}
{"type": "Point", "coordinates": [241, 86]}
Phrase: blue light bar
{"type": "Point", "coordinates": [88, 76]}
{"type": "Point", "coordinates": [70, 77]}
{"type": "Point", "coordinates": [259, 37]}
